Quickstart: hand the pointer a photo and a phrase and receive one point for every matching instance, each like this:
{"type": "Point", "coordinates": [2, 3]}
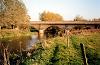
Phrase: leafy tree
{"type": "Point", "coordinates": [13, 13]}
{"type": "Point", "coordinates": [49, 16]}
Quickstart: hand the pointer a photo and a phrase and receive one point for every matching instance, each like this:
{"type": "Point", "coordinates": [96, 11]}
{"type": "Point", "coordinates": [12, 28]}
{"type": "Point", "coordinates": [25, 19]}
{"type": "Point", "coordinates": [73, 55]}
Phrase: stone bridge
{"type": "Point", "coordinates": [41, 26]}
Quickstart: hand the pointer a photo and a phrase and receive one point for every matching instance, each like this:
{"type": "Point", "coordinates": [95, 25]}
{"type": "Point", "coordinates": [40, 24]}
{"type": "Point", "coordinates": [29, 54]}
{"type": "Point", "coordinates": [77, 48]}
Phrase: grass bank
{"type": "Point", "coordinates": [7, 33]}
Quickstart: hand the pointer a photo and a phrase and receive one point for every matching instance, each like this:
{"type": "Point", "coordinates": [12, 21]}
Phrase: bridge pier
{"type": "Point", "coordinates": [41, 34]}
{"type": "Point", "coordinates": [0, 27]}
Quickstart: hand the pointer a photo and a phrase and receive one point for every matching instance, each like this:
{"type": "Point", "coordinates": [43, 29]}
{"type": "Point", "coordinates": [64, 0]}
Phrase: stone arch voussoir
{"type": "Point", "coordinates": [53, 30]}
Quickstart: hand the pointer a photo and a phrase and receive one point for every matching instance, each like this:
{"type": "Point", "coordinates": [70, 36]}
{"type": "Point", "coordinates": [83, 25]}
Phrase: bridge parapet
{"type": "Point", "coordinates": [65, 22]}
{"type": "Point", "coordinates": [42, 25]}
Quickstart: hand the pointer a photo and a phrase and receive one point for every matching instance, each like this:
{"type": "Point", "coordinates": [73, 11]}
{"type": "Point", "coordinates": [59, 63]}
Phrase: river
{"type": "Point", "coordinates": [19, 42]}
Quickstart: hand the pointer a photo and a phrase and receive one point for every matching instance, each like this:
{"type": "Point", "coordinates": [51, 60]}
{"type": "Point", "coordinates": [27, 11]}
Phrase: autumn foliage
{"type": "Point", "coordinates": [49, 16]}
{"type": "Point", "coordinates": [13, 13]}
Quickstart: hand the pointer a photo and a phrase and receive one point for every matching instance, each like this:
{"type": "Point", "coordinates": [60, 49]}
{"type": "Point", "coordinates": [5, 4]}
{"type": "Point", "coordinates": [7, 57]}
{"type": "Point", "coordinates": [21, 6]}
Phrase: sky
{"type": "Point", "coordinates": [67, 8]}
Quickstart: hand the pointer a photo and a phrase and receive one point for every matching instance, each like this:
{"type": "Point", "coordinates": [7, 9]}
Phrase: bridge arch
{"type": "Point", "coordinates": [53, 31]}
{"type": "Point", "coordinates": [33, 29]}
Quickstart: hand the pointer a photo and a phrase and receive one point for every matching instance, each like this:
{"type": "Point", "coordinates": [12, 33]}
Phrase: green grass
{"type": "Point", "coordinates": [92, 45]}
{"type": "Point", "coordinates": [55, 51]}
{"type": "Point", "coordinates": [13, 33]}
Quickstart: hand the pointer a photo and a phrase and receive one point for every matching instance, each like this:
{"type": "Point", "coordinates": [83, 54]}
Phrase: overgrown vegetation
{"type": "Point", "coordinates": [92, 46]}
{"type": "Point", "coordinates": [56, 51]}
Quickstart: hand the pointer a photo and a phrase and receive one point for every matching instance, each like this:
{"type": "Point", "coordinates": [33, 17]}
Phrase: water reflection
{"type": "Point", "coordinates": [32, 41]}
{"type": "Point", "coordinates": [19, 42]}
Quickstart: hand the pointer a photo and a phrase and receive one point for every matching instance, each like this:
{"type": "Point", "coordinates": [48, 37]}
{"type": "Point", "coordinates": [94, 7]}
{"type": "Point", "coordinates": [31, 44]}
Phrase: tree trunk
{"type": "Point", "coordinates": [5, 59]}
{"type": "Point", "coordinates": [7, 55]}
